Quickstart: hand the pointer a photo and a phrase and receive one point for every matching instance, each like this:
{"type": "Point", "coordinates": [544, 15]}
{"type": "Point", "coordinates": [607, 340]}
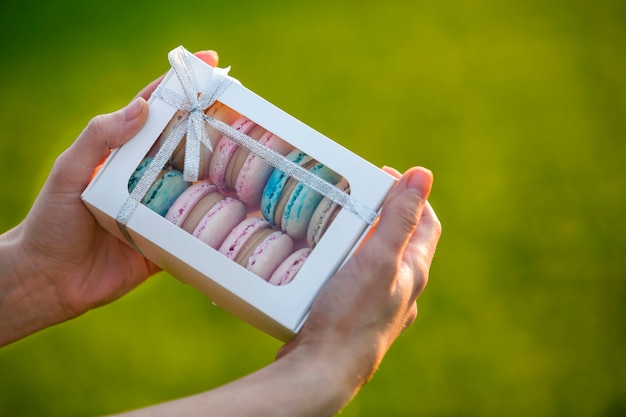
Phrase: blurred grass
{"type": "Point", "coordinates": [518, 108]}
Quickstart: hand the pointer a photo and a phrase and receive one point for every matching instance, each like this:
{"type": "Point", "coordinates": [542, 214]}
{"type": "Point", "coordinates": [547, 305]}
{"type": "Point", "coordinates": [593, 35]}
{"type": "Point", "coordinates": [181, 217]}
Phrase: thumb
{"type": "Point", "coordinates": [402, 210]}
{"type": "Point", "coordinates": [103, 133]}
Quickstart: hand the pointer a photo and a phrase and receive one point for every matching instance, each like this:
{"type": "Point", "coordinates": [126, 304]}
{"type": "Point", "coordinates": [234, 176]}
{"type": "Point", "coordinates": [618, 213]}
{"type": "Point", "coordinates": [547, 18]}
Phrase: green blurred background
{"type": "Point", "coordinates": [519, 108]}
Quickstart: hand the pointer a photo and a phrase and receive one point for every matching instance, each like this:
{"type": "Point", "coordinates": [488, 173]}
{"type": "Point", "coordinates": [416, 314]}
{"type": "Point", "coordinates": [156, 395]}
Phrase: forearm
{"type": "Point", "coordinates": [26, 303]}
{"type": "Point", "coordinates": [296, 385]}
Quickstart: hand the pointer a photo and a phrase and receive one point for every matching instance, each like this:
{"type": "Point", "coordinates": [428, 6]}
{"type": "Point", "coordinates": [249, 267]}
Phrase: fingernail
{"type": "Point", "coordinates": [133, 110]}
{"type": "Point", "coordinates": [213, 56]}
{"type": "Point", "coordinates": [214, 53]}
{"type": "Point", "coordinates": [420, 179]}
{"type": "Point", "coordinates": [391, 171]}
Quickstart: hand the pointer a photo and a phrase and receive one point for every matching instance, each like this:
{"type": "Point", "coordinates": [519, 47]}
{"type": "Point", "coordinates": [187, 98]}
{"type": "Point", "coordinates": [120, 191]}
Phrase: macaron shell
{"type": "Point", "coordinates": [178, 118]}
{"type": "Point", "coordinates": [323, 215]}
{"type": "Point", "coordinates": [240, 235]}
{"type": "Point", "coordinates": [240, 156]}
{"type": "Point", "coordinates": [275, 185]}
{"type": "Point", "coordinates": [223, 113]}
{"type": "Point", "coordinates": [165, 191]}
{"type": "Point", "coordinates": [255, 172]}
{"type": "Point", "coordinates": [302, 203]}
{"type": "Point", "coordinates": [137, 174]}
{"type": "Point", "coordinates": [219, 221]}
{"type": "Point", "coordinates": [224, 151]}
{"type": "Point", "coordinates": [288, 269]}
{"type": "Point", "coordinates": [178, 156]}
{"type": "Point", "coordinates": [269, 254]}
{"type": "Point", "coordinates": [177, 159]}
{"type": "Point", "coordinates": [183, 205]}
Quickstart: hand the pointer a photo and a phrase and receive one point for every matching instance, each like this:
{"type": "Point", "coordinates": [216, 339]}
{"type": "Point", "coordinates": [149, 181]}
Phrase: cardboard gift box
{"type": "Point", "coordinates": [279, 310]}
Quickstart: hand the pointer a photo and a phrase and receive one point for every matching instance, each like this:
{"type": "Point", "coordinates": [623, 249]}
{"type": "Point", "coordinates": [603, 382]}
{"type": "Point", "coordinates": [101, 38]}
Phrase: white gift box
{"type": "Point", "coordinates": [277, 310]}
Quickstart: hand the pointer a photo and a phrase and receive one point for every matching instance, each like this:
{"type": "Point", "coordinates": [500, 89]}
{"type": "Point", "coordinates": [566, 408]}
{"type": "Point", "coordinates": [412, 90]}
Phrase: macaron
{"type": "Point", "coordinates": [224, 152]}
{"type": "Point", "coordinates": [165, 189]}
{"type": "Point", "coordinates": [247, 173]}
{"type": "Point", "coordinates": [177, 160]}
{"type": "Point", "coordinates": [324, 214]}
{"type": "Point", "coordinates": [258, 247]}
{"type": "Point", "coordinates": [187, 201]}
{"type": "Point", "coordinates": [288, 203]}
{"type": "Point", "coordinates": [138, 173]}
{"type": "Point", "coordinates": [205, 213]}
{"type": "Point", "coordinates": [288, 269]}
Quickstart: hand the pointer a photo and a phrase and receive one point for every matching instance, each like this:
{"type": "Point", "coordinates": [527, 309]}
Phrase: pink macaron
{"type": "Point", "coordinates": [287, 270]}
{"type": "Point", "coordinates": [205, 213]}
{"type": "Point", "coordinates": [255, 245]}
{"type": "Point", "coordinates": [225, 150]}
{"type": "Point", "coordinates": [248, 172]}
{"type": "Point", "coordinates": [238, 169]}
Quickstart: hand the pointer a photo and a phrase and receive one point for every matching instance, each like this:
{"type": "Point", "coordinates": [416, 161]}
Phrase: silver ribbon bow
{"type": "Point", "coordinates": [193, 104]}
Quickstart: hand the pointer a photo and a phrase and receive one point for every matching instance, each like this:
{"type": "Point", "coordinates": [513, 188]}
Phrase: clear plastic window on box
{"type": "Point", "coordinates": [252, 213]}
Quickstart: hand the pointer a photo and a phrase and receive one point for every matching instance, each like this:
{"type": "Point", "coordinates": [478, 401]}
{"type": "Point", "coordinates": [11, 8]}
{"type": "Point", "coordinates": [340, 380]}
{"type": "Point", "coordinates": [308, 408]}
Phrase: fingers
{"type": "Point", "coordinates": [147, 91]}
{"type": "Point", "coordinates": [93, 145]}
{"type": "Point", "coordinates": [210, 57]}
{"type": "Point", "coordinates": [402, 210]}
{"type": "Point", "coordinates": [109, 131]}
{"type": "Point", "coordinates": [421, 249]}
{"type": "Point", "coordinates": [428, 233]}
{"type": "Point", "coordinates": [392, 171]}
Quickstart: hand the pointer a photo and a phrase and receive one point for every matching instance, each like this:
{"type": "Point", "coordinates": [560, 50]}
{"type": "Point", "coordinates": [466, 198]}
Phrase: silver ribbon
{"type": "Point", "coordinates": [295, 171]}
{"type": "Point", "coordinates": [193, 104]}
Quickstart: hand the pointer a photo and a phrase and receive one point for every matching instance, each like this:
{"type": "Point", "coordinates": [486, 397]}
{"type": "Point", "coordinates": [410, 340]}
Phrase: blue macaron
{"type": "Point", "coordinates": [289, 204]}
{"type": "Point", "coordinates": [165, 189]}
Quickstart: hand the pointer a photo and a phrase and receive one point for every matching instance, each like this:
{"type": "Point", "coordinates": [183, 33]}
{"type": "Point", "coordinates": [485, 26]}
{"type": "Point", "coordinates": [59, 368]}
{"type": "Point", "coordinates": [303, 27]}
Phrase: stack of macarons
{"type": "Point", "coordinates": [258, 247]}
{"type": "Point", "coordinates": [292, 206]}
{"type": "Point", "coordinates": [205, 213]}
{"type": "Point", "coordinates": [255, 215]}
{"type": "Point", "coordinates": [235, 168]}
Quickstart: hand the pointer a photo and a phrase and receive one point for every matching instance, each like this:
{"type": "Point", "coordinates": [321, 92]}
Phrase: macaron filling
{"type": "Point", "coordinates": [269, 254]}
{"type": "Point", "coordinates": [183, 205]}
{"type": "Point", "coordinates": [240, 156]}
{"type": "Point", "coordinates": [240, 234]}
{"type": "Point", "coordinates": [200, 210]}
{"type": "Point", "coordinates": [224, 152]}
{"type": "Point", "coordinates": [250, 244]}
{"type": "Point", "coordinates": [274, 188]}
{"type": "Point", "coordinates": [165, 189]}
{"type": "Point", "coordinates": [287, 270]}
{"type": "Point", "coordinates": [302, 203]}
{"type": "Point", "coordinates": [254, 173]}
{"type": "Point", "coordinates": [219, 220]}
{"type": "Point", "coordinates": [256, 246]}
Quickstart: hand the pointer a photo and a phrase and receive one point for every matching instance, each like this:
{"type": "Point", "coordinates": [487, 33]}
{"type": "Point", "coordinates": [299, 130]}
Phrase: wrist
{"type": "Point", "coordinates": [27, 302]}
{"type": "Point", "coordinates": [339, 369]}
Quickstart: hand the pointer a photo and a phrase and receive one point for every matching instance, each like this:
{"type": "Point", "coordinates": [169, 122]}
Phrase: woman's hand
{"type": "Point", "coordinates": [59, 263]}
{"type": "Point", "coordinates": [359, 313]}
{"type": "Point", "coordinates": [372, 299]}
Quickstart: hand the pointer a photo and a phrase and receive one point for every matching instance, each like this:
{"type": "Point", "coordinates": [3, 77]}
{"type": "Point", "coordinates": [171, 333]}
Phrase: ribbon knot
{"type": "Point", "coordinates": [193, 103]}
